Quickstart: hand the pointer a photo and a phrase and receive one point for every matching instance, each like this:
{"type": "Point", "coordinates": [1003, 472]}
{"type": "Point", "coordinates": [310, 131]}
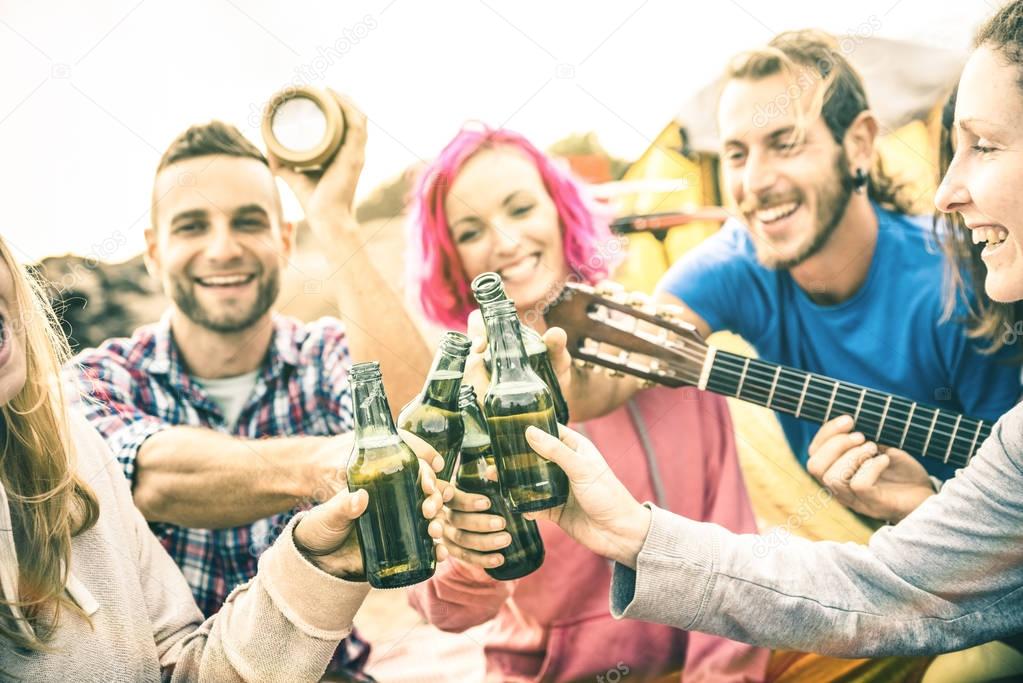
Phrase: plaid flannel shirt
{"type": "Point", "coordinates": [134, 388]}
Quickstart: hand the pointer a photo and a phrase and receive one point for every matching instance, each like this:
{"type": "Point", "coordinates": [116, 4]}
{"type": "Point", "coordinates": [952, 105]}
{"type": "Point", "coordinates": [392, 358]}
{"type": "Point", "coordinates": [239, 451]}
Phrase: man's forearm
{"type": "Point", "coordinates": [377, 325]}
{"type": "Point", "coordinates": [200, 478]}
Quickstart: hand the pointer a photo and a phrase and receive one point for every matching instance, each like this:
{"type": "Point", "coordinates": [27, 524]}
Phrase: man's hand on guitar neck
{"type": "Point", "coordinates": [878, 481]}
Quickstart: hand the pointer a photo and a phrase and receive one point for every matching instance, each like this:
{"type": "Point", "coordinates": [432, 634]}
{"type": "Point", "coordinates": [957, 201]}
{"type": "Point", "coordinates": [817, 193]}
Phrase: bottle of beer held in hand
{"type": "Point", "coordinates": [486, 288]}
{"type": "Point", "coordinates": [433, 415]}
{"type": "Point", "coordinates": [526, 553]}
{"type": "Point", "coordinates": [518, 398]}
{"type": "Point", "coordinates": [396, 548]}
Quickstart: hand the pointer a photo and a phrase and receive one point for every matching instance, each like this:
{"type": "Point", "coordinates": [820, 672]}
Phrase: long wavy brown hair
{"type": "Point", "coordinates": [992, 322]}
{"type": "Point", "coordinates": [49, 503]}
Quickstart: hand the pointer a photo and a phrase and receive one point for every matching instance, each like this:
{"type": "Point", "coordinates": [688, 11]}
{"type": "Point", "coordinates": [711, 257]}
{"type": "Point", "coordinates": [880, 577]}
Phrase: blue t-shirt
{"type": "Point", "coordinates": [889, 336]}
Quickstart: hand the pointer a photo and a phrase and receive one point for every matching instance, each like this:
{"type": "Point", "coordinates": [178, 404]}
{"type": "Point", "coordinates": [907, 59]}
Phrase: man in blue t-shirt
{"type": "Point", "coordinates": [818, 275]}
{"type": "Point", "coordinates": [826, 271]}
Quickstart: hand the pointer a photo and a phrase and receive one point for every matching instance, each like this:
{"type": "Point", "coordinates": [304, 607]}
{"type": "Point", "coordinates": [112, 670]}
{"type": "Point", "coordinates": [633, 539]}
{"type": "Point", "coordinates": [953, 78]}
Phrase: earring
{"type": "Point", "coordinates": [860, 180]}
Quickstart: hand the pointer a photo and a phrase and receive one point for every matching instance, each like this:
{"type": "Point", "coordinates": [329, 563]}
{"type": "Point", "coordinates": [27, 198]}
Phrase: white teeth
{"type": "Point", "coordinates": [992, 236]}
{"type": "Point", "coordinates": [776, 212]}
{"type": "Point", "coordinates": [519, 267]}
{"type": "Point", "coordinates": [225, 280]}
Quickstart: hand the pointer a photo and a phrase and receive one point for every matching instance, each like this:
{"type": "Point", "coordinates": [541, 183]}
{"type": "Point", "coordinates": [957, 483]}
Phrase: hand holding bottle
{"type": "Point", "coordinates": [600, 512]}
{"type": "Point", "coordinates": [325, 535]}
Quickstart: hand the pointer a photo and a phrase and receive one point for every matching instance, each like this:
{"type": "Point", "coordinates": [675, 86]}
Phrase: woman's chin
{"type": "Point", "coordinates": [1003, 288]}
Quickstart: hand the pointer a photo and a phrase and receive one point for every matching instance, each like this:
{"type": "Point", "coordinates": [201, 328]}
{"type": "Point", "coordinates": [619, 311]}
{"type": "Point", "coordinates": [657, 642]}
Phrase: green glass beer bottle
{"type": "Point", "coordinates": [526, 553]}
{"type": "Point", "coordinates": [516, 399]}
{"type": "Point", "coordinates": [487, 287]}
{"type": "Point", "coordinates": [433, 414]}
{"type": "Point", "coordinates": [396, 548]}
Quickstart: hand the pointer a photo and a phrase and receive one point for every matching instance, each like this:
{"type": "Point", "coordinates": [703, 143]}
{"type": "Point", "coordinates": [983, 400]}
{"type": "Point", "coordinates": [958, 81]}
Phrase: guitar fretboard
{"type": "Point", "coordinates": [886, 419]}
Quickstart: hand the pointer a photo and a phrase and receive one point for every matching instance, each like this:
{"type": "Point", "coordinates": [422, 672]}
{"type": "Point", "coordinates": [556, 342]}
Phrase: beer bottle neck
{"type": "Point", "coordinates": [370, 410]}
{"type": "Point", "coordinates": [444, 379]}
{"type": "Point", "coordinates": [475, 425]}
{"type": "Point", "coordinates": [507, 351]}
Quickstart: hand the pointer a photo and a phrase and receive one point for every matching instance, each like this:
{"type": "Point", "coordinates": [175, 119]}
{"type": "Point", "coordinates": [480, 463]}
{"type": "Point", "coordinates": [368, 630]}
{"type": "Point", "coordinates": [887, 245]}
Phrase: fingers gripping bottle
{"type": "Point", "coordinates": [396, 548]}
{"type": "Point", "coordinates": [518, 398]}
{"type": "Point", "coordinates": [526, 552]}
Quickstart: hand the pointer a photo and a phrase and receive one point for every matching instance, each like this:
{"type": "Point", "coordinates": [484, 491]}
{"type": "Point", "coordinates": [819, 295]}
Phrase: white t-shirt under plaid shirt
{"type": "Point", "coordinates": [139, 386]}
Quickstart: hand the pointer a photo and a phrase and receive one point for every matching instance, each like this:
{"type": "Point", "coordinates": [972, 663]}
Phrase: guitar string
{"type": "Point", "coordinates": [944, 417]}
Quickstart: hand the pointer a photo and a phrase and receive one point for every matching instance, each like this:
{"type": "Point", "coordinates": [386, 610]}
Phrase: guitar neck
{"type": "Point", "coordinates": [883, 418]}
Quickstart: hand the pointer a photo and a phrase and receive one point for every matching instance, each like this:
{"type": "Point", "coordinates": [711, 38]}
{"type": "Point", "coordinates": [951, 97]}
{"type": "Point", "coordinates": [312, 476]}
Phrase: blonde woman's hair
{"type": "Point", "coordinates": [49, 503]}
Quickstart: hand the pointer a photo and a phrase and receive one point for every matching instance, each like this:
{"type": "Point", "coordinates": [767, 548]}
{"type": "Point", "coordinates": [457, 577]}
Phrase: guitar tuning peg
{"type": "Point", "coordinates": [611, 372]}
{"type": "Point", "coordinates": [636, 299]}
{"type": "Point", "coordinates": [647, 384]}
{"type": "Point", "coordinates": [582, 364]}
{"type": "Point", "coordinates": [608, 288]}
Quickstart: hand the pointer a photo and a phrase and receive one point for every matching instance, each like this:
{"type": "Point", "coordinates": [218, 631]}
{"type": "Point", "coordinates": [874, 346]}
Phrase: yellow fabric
{"type": "Point", "coordinates": [987, 662]}
{"type": "Point", "coordinates": [644, 263]}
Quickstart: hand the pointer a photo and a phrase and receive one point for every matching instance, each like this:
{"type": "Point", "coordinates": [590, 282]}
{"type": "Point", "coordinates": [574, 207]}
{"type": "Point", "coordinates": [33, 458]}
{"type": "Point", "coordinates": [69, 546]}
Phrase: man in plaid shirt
{"type": "Point", "coordinates": [226, 416]}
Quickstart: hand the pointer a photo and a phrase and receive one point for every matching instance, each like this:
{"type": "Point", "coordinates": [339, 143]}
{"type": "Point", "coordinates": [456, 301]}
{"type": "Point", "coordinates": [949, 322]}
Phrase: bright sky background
{"type": "Point", "coordinates": [94, 91]}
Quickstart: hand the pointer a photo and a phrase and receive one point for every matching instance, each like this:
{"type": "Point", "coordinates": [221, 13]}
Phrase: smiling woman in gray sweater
{"type": "Point", "coordinates": [950, 575]}
{"type": "Point", "coordinates": [87, 593]}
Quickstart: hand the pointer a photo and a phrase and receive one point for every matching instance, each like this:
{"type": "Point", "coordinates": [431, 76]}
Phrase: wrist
{"type": "Point", "coordinates": [325, 474]}
{"type": "Point", "coordinates": [925, 492]}
{"type": "Point", "coordinates": [631, 535]}
{"type": "Point", "coordinates": [340, 562]}
{"type": "Point", "coordinates": [333, 225]}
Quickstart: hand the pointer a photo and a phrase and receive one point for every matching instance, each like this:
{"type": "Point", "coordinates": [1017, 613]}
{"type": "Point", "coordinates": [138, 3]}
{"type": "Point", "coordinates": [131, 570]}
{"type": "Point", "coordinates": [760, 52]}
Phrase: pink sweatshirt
{"type": "Point", "coordinates": [554, 625]}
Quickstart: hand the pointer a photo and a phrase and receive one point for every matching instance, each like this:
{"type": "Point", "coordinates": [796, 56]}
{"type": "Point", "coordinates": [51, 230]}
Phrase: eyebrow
{"type": "Point", "coordinates": [771, 137]}
{"type": "Point", "coordinates": [472, 217]}
{"type": "Point", "coordinates": [189, 215]}
{"type": "Point", "coordinates": [510, 197]}
{"type": "Point", "coordinates": [971, 122]}
{"type": "Point", "coordinates": [250, 208]}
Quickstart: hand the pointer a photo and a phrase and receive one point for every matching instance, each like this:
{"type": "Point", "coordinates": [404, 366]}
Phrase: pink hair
{"type": "Point", "coordinates": [432, 266]}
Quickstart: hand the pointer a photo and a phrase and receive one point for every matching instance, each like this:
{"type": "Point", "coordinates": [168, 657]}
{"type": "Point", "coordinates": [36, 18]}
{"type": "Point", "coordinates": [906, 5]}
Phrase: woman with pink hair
{"type": "Point", "coordinates": [491, 201]}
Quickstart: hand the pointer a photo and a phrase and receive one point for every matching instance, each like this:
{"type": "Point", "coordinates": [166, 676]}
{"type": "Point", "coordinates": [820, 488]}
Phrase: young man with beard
{"type": "Point", "coordinates": [827, 272]}
{"type": "Point", "coordinates": [225, 415]}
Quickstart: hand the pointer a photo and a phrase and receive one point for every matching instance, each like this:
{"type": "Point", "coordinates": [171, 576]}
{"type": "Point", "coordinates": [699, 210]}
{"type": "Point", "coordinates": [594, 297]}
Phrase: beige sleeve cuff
{"type": "Point", "coordinates": [319, 604]}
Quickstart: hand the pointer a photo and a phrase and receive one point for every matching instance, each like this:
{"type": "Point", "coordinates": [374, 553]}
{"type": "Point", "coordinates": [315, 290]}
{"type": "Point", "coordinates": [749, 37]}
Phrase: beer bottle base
{"type": "Point", "coordinates": [506, 573]}
{"type": "Point", "coordinates": [401, 580]}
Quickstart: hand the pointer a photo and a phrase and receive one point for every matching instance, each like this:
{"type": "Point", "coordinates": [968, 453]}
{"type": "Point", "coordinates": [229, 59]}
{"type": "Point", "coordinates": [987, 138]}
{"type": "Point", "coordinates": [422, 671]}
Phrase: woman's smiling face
{"type": "Point", "coordinates": [984, 182]}
{"type": "Point", "coordinates": [502, 219]}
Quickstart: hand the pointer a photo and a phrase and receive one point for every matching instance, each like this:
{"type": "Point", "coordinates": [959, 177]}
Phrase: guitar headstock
{"type": "Point", "coordinates": [628, 334]}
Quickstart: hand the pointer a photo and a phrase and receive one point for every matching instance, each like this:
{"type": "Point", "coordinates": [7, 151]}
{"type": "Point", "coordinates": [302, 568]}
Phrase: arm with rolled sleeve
{"type": "Point", "coordinates": [947, 577]}
{"type": "Point", "coordinates": [174, 478]}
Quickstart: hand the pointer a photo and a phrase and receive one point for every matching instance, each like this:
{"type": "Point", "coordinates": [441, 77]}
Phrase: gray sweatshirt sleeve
{"type": "Point", "coordinates": [948, 576]}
